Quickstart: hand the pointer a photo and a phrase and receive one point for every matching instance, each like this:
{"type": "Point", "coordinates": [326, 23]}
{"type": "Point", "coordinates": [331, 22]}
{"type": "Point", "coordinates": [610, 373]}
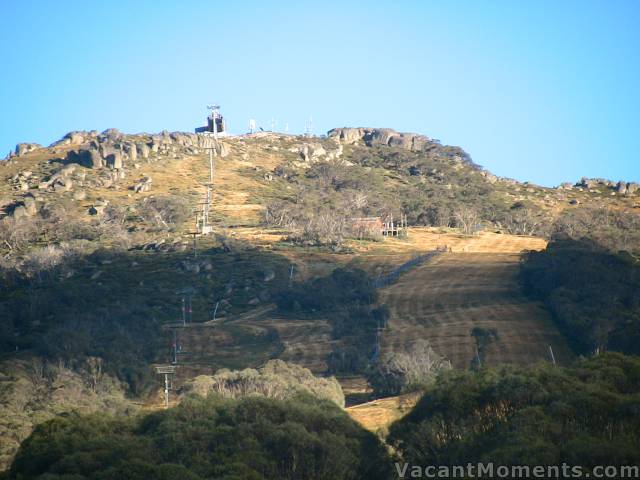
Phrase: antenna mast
{"type": "Point", "coordinates": [308, 127]}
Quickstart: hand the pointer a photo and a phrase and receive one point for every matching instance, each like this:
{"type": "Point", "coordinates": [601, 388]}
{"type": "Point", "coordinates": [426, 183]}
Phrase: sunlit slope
{"type": "Point", "coordinates": [444, 299]}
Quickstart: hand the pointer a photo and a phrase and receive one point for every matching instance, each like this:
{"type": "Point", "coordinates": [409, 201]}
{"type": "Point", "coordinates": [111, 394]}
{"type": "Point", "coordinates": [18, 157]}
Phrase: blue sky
{"type": "Point", "coordinates": [545, 91]}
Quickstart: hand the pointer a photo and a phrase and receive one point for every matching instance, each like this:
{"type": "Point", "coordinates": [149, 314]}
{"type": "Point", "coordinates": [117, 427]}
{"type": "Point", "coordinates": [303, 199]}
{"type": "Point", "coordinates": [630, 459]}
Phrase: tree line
{"type": "Point", "coordinates": [589, 278]}
{"type": "Point", "coordinates": [252, 438]}
{"type": "Point", "coordinates": [582, 415]}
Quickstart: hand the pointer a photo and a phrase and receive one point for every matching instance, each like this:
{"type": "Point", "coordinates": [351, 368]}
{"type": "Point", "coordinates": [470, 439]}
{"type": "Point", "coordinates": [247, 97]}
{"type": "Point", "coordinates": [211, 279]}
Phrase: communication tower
{"type": "Point", "coordinates": [308, 127]}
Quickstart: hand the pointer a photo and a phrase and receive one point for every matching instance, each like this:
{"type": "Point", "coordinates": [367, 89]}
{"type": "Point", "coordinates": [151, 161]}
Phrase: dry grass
{"type": "Point", "coordinates": [421, 239]}
{"type": "Point", "coordinates": [441, 301]}
{"type": "Point", "coordinates": [377, 415]}
{"type": "Point", "coordinates": [305, 342]}
{"type": "Point", "coordinates": [444, 299]}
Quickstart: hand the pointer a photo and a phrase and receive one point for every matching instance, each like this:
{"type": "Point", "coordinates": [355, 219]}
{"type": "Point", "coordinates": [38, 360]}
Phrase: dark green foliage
{"type": "Point", "coordinates": [343, 289]}
{"type": "Point", "coordinates": [112, 304]}
{"type": "Point", "coordinates": [434, 184]}
{"type": "Point", "coordinates": [483, 337]}
{"type": "Point", "coordinates": [347, 299]}
{"type": "Point", "coordinates": [70, 318]}
{"type": "Point", "coordinates": [253, 438]}
{"type": "Point", "coordinates": [586, 415]}
{"type": "Point", "coordinates": [592, 292]}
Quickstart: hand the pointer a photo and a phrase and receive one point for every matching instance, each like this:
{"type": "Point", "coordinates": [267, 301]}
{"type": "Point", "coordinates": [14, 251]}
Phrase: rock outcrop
{"type": "Point", "coordinates": [142, 185]}
{"type": "Point", "coordinates": [624, 188]}
{"type": "Point", "coordinates": [381, 136]}
{"type": "Point", "coordinates": [22, 180]}
{"type": "Point", "coordinates": [621, 187]}
{"type": "Point", "coordinates": [23, 148]}
{"type": "Point", "coordinates": [413, 142]}
{"type": "Point", "coordinates": [98, 207]}
{"type": "Point", "coordinates": [87, 158]}
{"type": "Point", "coordinates": [77, 137]}
{"type": "Point", "coordinates": [311, 152]}
{"type": "Point", "coordinates": [116, 150]}
{"type": "Point", "coordinates": [26, 207]}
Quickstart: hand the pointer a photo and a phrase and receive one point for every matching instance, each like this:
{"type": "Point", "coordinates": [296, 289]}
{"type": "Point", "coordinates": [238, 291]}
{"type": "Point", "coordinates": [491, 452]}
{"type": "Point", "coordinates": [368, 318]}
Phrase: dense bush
{"type": "Point", "coordinates": [584, 415]}
{"type": "Point", "coordinates": [35, 390]}
{"type": "Point", "coordinates": [328, 196]}
{"type": "Point", "coordinates": [253, 438]}
{"type": "Point", "coordinates": [347, 298]}
{"type": "Point", "coordinates": [50, 308]}
{"type": "Point", "coordinates": [343, 289]}
{"type": "Point", "coordinates": [70, 302]}
{"type": "Point", "coordinates": [18, 233]}
{"type": "Point", "coordinates": [591, 291]}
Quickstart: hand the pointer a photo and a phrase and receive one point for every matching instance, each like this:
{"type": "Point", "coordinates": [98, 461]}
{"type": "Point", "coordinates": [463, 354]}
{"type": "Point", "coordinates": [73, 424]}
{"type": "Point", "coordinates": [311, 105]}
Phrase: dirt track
{"type": "Point", "coordinates": [445, 298]}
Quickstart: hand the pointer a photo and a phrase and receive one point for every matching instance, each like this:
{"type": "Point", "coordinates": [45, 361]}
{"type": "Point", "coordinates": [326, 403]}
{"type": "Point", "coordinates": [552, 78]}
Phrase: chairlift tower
{"type": "Point", "coordinates": [176, 347]}
{"type": "Point", "coordinates": [215, 127]}
{"type": "Point", "coordinates": [215, 114]}
{"type": "Point", "coordinates": [187, 304]}
{"type": "Point", "coordinates": [168, 371]}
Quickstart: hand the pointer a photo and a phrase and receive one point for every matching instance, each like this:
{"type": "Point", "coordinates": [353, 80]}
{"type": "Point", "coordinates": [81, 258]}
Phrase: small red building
{"type": "Point", "coordinates": [363, 227]}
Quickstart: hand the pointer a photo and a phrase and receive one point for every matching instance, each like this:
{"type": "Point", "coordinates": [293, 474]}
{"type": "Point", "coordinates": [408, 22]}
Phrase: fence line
{"type": "Point", "coordinates": [392, 276]}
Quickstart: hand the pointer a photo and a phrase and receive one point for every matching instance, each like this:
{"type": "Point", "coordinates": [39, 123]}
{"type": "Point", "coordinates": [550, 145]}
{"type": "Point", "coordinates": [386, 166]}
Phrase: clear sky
{"type": "Point", "coordinates": [545, 91]}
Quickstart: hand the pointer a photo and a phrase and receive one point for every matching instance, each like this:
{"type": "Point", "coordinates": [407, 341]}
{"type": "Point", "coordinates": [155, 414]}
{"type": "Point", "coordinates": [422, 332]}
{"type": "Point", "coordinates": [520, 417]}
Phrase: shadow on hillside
{"type": "Point", "coordinates": [71, 305]}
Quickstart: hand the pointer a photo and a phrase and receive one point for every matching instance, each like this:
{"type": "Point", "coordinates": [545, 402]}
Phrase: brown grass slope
{"type": "Point", "coordinates": [446, 298]}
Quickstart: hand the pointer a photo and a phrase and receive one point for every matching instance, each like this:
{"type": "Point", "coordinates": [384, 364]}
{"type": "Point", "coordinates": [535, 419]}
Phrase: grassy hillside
{"type": "Point", "coordinates": [448, 298]}
{"type": "Point", "coordinates": [96, 254]}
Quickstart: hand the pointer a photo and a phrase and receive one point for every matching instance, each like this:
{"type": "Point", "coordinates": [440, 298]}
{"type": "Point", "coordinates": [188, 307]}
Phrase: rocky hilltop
{"type": "Point", "coordinates": [113, 148]}
{"type": "Point", "coordinates": [85, 161]}
{"type": "Point", "coordinates": [110, 155]}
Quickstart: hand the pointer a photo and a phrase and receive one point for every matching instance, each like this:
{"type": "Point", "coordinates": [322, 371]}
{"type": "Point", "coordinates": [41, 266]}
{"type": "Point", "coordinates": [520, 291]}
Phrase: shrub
{"type": "Point", "coordinates": [540, 415]}
{"type": "Point", "coordinates": [276, 379]}
{"type": "Point", "coordinates": [18, 233]}
{"type": "Point", "coordinates": [164, 212]}
{"type": "Point", "coordinates": [610, 229]}
{"type": "Point", "coordinates": [251, 438]}
{"type": "Point", "coordinates": [404, 372]}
